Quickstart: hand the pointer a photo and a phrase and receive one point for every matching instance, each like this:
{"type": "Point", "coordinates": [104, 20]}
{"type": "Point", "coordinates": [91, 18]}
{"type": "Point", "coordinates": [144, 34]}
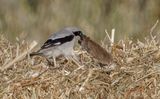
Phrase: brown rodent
{"type": "Point", "coordinates": [96, 51]}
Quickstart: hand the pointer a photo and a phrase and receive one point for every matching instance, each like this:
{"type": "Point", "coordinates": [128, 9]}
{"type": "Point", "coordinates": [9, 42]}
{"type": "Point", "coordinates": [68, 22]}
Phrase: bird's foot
{"type": "Point", "coordinates": [50, 63]}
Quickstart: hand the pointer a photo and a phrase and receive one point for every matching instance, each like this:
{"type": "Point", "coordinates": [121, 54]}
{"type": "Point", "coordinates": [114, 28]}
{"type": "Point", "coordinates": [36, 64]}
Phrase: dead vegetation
{"type": "Point", "coordinates": [136, 75]}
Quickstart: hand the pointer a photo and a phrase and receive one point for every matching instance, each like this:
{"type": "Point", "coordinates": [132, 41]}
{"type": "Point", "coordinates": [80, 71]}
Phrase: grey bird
{"type": "Point", "coordinates": [61, 43]}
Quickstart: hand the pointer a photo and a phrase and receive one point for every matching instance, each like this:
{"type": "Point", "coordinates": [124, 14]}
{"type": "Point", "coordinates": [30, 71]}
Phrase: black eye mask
{"type": "Point", "coordinates": [78, 33]}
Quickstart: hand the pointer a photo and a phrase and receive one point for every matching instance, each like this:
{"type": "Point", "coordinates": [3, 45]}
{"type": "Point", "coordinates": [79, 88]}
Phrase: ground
{"type": "Point", "coordinates": [136, 74]}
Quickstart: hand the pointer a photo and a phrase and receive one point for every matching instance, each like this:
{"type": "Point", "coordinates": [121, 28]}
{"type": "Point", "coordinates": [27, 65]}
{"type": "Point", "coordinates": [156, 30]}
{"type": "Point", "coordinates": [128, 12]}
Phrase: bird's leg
{"type": "Point", "coordinates": [75, 59]}
{"type": "Point", "coordinates": [54, 60]}
{"type": "Point", "coordinates": [50, 63]}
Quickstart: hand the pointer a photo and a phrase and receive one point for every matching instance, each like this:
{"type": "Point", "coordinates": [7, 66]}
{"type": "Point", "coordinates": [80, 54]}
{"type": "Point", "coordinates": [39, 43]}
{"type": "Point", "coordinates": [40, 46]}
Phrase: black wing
{"type": "Point", "coordinates": [57, 41]}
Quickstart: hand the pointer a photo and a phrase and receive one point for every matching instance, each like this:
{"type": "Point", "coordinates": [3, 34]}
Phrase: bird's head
{"type": "Point", "coordinates": [76, 31]}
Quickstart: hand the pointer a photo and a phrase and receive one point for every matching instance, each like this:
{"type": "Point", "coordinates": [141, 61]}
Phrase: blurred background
{"type": "Point", "coordinates": [37, 19]}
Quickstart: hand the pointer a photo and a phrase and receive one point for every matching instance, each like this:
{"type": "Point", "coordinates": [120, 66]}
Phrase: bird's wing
{"type": "Point", "coordinates": [57, 41]}
{"type": "Point", "coordinates": [60, 34]}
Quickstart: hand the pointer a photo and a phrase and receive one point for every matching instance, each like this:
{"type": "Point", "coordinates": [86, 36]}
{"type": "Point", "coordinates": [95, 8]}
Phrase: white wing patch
{"type": "Point", "coordinates": [58, 43]}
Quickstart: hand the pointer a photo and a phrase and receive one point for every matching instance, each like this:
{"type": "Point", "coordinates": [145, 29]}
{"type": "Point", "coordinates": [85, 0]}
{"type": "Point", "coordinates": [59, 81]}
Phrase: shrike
{"type": "Point", "coordinates": [61, 43]}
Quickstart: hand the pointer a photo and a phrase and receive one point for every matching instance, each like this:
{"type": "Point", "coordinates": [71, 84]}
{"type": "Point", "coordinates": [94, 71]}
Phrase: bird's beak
{"type": "Point", "coordinates": [80, 42]}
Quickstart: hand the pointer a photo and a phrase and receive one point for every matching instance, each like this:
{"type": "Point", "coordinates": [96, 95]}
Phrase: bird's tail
{"type": "Point", "coordinates": [35, 53]}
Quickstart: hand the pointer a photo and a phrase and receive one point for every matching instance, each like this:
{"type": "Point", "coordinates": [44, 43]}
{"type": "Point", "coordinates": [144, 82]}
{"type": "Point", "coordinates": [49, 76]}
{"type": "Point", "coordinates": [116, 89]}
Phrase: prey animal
{"type": "Point", "coordinates": [61, 43]}
{"type": "Point", "coordinates": [96, 51]}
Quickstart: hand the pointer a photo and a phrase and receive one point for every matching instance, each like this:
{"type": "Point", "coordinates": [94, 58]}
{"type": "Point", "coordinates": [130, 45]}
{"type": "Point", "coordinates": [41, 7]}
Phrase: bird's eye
{"type": "Point", "coordinates": [77, 33]}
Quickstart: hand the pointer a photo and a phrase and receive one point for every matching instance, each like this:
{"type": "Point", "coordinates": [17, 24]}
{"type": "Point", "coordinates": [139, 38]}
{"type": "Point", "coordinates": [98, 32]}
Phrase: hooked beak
{"type": "Point", "coordinates": [80, 42]}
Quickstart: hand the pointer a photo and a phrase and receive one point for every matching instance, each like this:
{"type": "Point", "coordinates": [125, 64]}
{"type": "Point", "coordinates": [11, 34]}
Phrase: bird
{"type": "Point", "coordinates": [61, 43]}
{"type": "Point", "coordinates": [96, 51]}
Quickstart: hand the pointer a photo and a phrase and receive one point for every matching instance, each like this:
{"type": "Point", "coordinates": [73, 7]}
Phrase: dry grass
{"type": "Point", "coordinates": [136, 76]}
